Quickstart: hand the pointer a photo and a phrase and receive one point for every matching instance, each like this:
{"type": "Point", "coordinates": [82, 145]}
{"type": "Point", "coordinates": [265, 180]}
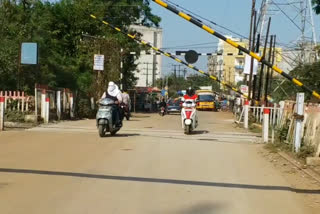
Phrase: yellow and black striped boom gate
{"type": "Point", "coordinates": [236, 45]}
{"type": "Point", "coordinates": [170, 56]}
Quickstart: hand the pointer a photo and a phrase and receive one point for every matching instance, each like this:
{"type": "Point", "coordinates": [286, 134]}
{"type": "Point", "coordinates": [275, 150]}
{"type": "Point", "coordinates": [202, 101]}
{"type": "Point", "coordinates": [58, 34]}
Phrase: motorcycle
{"type": "Point", "coordinates": [162, 111]}
{"type": "Point", "coordinates": [104, 119]}
{"type": "Point", "coordinates": [189, 118]}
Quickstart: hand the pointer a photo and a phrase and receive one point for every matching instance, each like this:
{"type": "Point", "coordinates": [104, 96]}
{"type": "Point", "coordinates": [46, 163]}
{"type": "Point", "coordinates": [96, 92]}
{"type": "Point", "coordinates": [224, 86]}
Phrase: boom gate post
{"type": "Point", "coordinates": [1, 114]}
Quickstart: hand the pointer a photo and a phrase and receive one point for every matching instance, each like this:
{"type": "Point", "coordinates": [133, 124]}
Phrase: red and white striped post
{"type": "Point", "coordinates": [246, 114]}
{"type": "Point", "coordinates": [47, 110]}
{"type": "Point", "coordinates": [1, 114]}
{"type": "Point", "coordinates": [266, 113]}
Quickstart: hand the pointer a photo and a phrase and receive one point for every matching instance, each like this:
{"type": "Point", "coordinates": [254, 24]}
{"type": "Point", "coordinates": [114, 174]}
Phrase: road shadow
{"type": "Point", "coordinates": [121, 135]}
{"type": "Point", "coordinates": [203, 208]}
{"type": "Point", "coordinates": [163, 181]}
{"type": "Point", "coordinates": [199, 132]}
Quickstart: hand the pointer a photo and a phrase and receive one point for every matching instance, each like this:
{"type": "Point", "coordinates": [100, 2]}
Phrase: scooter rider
{"type": "Point", "coordinates": [191, 96]}
{"type": "Point", "coordinates": [126, 101]}
{"type": "Point", "coordinates": [163, 104]}
{"type": "Point", "coordinates": [114, 93]}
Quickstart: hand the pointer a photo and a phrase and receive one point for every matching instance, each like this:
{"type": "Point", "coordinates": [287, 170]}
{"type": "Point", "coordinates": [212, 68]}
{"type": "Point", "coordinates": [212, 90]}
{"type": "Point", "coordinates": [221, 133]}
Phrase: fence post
{"type": "Point", "coordinates": [1, 114]}
{"type": "Point", "coordinates": [299, 120]}
{"type": "Point", "coordinates": [43, 104]}
{"type": "Point", "coordinates": [266, 113]}
{"type": "Point", "coordinates": [5, 100]}
{"type": "Point", "coordinates": [47, 110]}
{"type": "Point", "coordinates": [36, 102]}
{"type": "Point", "coordinates": [71, 106]}
{"type": "Point", "coordinates": [59, 105]}
{"type": "Point", "coordinates": [246, 114]}
{"type": "Point", "coordinates": [64, 102]}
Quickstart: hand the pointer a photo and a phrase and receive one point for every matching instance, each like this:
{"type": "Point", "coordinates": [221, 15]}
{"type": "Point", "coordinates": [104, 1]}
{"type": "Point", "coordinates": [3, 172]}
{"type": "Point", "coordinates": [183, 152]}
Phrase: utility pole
{"type": "Point", "coordinates": [147, 71]}
{"type": "Point", "coordinates": [250, 33]}
{"type": "Point", "coordinates": [273, 59]}
{"type": "Point", "coordinates": [255, 76]}
{"type": "Point", "coordinates": [263, 56]}
{"type": "Point", "coordinates": [252, 49]}
{"type": "Point", "coordinates": [175, 70]}
{"type": "Point", "coordinates": [268, 72]}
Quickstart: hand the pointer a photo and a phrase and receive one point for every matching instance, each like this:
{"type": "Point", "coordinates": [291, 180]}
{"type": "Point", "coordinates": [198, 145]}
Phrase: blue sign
{"type": "Point", "coordinates": [163, 92]}
{"type": "Point", "coordinates": [29, 53]}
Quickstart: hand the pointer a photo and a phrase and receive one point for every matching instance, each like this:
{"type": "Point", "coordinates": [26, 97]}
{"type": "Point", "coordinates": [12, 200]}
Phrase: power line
{"type": "Point", "coordinates": [208, 20]}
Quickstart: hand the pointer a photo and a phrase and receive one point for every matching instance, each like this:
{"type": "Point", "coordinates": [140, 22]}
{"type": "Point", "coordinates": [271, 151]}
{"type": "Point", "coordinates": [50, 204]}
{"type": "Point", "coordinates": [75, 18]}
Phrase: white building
{"type": "Point", "coordinates": [149, 66]}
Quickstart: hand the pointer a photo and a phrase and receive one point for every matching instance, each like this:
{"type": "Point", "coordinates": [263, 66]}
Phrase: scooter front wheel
{"type": "Point", "coordinates": [187, 129]}
{"type": "Point", "coordinates": [102, 132]}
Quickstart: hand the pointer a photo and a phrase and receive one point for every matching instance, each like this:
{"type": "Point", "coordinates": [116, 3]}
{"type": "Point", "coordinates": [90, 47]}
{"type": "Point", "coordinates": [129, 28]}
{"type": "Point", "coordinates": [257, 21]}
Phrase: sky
{"type": "Point", "coordinates": [233, 14]}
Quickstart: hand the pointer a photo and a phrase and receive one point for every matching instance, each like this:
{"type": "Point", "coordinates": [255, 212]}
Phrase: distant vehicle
{"type": "Point", "coordinates": [205, 100]}
{"type": "Point", "coordinates": [174, 106]}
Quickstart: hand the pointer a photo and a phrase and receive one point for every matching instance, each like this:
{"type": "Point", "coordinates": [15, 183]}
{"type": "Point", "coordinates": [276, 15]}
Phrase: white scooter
{"type": "Point", "coordinates": [189, 118]}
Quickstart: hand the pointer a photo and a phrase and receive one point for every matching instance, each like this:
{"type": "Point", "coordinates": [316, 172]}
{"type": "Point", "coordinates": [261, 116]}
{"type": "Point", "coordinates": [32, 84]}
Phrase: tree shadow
{"type": "Point", "coordinates": [163, 181]}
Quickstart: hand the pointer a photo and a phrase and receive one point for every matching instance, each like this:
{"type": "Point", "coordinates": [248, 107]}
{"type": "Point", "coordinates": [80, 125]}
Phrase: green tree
{"type": "Point", "coordinates": [316, 6]}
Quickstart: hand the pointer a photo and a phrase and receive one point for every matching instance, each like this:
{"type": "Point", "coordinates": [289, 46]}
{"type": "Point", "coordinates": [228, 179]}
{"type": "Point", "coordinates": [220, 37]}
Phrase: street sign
{"type": "Point", "coordinates": [244, 89]}
{"type": "Point", "coordinates": [29, 53]}
{"type": "Point", "coordinates": [98, 63]}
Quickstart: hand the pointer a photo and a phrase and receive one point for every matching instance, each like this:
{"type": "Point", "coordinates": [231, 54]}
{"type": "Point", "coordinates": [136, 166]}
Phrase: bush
{"type": "Point", "coordinates": [14, 116]}
{"type": "Point", "coordinates": [306, 151]}
{"type": "Point", "coordinates": [84, 109]}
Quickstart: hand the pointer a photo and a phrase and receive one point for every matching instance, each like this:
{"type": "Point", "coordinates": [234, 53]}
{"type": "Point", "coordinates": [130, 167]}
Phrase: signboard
{"type": "Point", "coordinates": [247, 65]}
{"type": "Point", "coordinates": [244, 89]}
{"type": "Point", "coordinates": [98, 63]}
{"type": "Point", "coordinates": [164, 92]}
{"type": "Point", "coordinates": [29, 53]}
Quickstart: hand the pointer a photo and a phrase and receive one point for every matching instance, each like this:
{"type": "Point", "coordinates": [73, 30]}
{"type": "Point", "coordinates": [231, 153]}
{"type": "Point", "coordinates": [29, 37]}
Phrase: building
{"type": "Point", "coordinates": [149, 65]}
{"type": "Point", "coordinates": [228, 62]}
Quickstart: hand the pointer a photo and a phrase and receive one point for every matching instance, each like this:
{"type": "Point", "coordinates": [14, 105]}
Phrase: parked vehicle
{"type": "Point", "coordinates": [205, 100]}
{"type": "Point", "coordinates": [174, 106]}
{"type": "Point", "coordinates": [104, 119]}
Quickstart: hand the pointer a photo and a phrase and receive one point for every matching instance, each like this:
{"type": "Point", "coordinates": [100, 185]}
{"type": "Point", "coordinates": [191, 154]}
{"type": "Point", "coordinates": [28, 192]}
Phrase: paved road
{"type": "Point", "coordinates": [149, 167]}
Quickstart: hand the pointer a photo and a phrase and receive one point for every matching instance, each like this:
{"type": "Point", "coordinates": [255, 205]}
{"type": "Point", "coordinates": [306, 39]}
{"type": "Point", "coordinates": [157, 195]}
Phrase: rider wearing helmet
{"type": "Point", "coordinates": [190, 94]}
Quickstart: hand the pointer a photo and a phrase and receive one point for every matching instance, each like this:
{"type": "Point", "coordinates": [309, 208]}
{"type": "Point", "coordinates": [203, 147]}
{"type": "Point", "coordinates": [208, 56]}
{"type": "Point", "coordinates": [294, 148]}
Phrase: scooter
{"type": "Point", "coordinates": [189, 117]}
{"type": "Point", "coordinates": [104, 118]}
{"type": "Point", "coordinates": [162, 111]}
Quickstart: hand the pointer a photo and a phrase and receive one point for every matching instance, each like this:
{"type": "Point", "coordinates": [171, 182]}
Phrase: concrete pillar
{"type": "Point", "coordinates": [59, 105]}
{"type": "Point", "coordinates": [92, 103]}
{"type": "Point", "coordinates": [246, 114]}
{"type": "Point", "coordinates": [266, 113]}
{"type": "Point", "coordinates": [47, 110]}
{"type": "Point", "coordinates": [1, 113]}
{"type": "Point", "coordinates": [22, 101]}
{"type": "Point", "coordinates": [299, 121]}
{"type": "Point", "coordinates": [43, 104]}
